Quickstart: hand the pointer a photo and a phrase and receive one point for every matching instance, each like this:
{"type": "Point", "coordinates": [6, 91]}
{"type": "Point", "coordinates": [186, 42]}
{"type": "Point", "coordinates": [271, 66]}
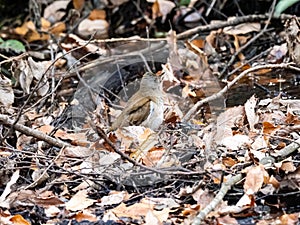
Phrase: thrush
{"type": "Point", "coordinates": [145, 107]}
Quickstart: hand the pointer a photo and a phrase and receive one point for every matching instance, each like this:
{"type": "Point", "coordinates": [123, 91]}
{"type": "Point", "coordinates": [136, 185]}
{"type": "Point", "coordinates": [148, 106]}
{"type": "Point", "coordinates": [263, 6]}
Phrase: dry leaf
{"type": "Point", "coordinates": [57, 28]}
{"type": "Point", "coordinates": [7, 189]}
{"type": "Point", "coordinates": [255, 178]}
{"type": "Point", "coordinates": [52, 211]}
{"type": "Point", "coordinates": [151, 219]}
{"type": "Point", "coordinates": [29, 69]}
{"type": "Point", "coordinates": [186, 92]}
{"type": "Point", "coordinates": [56, 10]}
{"type": "Point", "coordinates": [6, 92]}
{"type": "Point", "coordinates": [288, 166]}
{"type": "Point", "coordinates": [250, 112]}
{"type": "Point", "coordinates": [226, 220]}
{"type": "Point", "coordinates": [84, 215]}
{"type": "Point", "coordinates": [78, 4]}
{"type": "Point", "coordinates": [98, 28]}
{"type": "Point", "coordinates": [114, 198]}
{"type": "Point", "coordinates": [161, 8]}
{"type": "Point", "coordinates": [97, 14]}
{"type": "Point", "coordinates": [243, 28]}
{"type": "Point", "coordinates": [235, 142]}
{"type": "Point", "coordinates": [79, 201]}
{"type": "Point", "coordinates": [19, 220]}
{"type": "Point", "coordinates": [226, 121]}
{"type": "Point", "coordinates": [246, 201]}
{"type": "Point", "coordinates": [288, 219]}
{"type": "Point", "coordinates": [28, 31]}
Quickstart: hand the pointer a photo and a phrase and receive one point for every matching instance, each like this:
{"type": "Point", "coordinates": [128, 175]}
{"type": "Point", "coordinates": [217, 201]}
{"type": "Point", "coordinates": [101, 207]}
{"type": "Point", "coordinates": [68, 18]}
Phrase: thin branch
{"type": "Point", "coordinates": [287, 150]}
{"type": "Point", "coordinates": [232, 22]}
{"type": "Point", "coordinates": [248, 43]}
{"type": "Point", "coordinates": [226, 186]}
{"type": "Point", "coordinates": [195, 107]}
{"type": "Point", "coordinates": [102, 134]}
{"type": "Point", "coordinates": [32, 132]}
{"type": "Point", "coordinates": [36, 87]}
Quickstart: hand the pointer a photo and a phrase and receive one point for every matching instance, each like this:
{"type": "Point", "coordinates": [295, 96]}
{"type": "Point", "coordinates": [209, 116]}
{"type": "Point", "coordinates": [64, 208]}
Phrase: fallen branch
{"type": "Point", "coordinates": [248, 43]}
{"type": "Point", "coordinates": [232, 22]}
{"type": "Point", "coordinates": [287, 150]}
{"type": "Point", "coordinates": [32, 132]}
{"type": "Point", "coordinates": [215, 96]}
{"type": "Point", "coordinates": [103, 135]}
{"type": "Point", "coordinates": [226, 186]}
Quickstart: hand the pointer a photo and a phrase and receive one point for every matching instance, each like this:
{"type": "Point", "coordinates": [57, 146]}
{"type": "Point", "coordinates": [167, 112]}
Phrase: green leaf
{"type": "Point", "coordinates": [283, 5]}
{"type": "Point", "coordinates": [184, 2]}
{"type": "Point", "coordinates": [14, 45]}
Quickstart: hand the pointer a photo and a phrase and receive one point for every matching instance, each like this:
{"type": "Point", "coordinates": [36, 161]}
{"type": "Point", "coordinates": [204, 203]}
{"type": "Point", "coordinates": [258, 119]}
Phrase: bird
{"type": "Point", "coordinates": [145, 107]}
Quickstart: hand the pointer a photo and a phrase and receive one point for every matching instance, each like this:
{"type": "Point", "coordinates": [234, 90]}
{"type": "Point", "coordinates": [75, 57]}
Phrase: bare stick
{"type": "Point", "coordinates": [194, 109]}
{"type": "Point", "coordinates": [102, 134]}
{"type": "Point", "coordinates": [222, 24]}
{"type": "Point", "coordinates": [31, 132]}
{"type": "Point", "coordinates": [226, 186]}
{"type": "Point", "coordinates": [287, 150]}
{"type": "Point", "coordinates": [241, 49]}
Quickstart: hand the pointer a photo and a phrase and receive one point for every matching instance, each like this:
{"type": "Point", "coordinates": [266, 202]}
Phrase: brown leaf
{"type": "Point", "coordinates": [274, 182]}
{"type": "Point", "coordinates": [57, 28]}
{"type": "Point", "coordinates": [255, 178]}
{"type": "Point", "coordinates": [288, 219]}
{"type": "Point", "coordinates": [55, 11]}
{"type": "Point", "coordinates": [243, 28]}
{"type": "Point", "coordinates": [113, 198]}
{"type": "Point", "coordinates": [228, 161]}
{"type": "Point", "coordinates": [226, 121]}
{"type": "Point", "coordinates": [97, 14]}
{"type": "Point", "coordinates": [78, 4]}
{"type": "Point", "coordinates": [84, 215]}
{"type": "Point", "coordinates": [227, 220]}
{"type": "Point", "coordinates": [161, 8]}
{"type": "Point", "coordinates": [19, 220]}
{"type": "Point", "coordinates": [268, 129]}
{"type": "Point", "coordinates": [288, 166]}
{"type": "Point", "coordinates": [79, 201]}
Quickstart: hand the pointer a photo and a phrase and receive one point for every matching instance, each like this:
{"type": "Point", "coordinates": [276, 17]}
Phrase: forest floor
{"type": "Point", "coordinates": [227, 151]}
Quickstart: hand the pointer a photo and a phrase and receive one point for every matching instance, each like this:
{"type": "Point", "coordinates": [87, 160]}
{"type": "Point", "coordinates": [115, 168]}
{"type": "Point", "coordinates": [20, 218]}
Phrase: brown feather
{"type": "Point", "coordinates": [139, 109]}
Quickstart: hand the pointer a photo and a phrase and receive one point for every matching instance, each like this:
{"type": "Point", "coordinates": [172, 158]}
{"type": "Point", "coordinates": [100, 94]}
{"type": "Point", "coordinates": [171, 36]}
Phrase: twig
{"type": "Point", "coordinates": [195, 107]}
{"type": "Point", "coordinates": [123, 56]}
{"type": "Point", "coordinates": [102, 134]}
{"type": "Point", "coordinates": [287, 150]}
{"type": "Point", "coordinates": [222, 24]}
{"type": "Point", "coordinates": [12, 58]}
{"type": "Point", "coordinates": [226, 186]}
{"type": "Point", "coordinates": [31, 132]}
{"type": "Point", "coordinates": [33, 184]}
{"type": "Point", "coordinates": [36, 87]}
{"type": "Point", "coordinates": [241, 49]}
{"type": "Point", "coordinates": [111, 40]}
{"type": "Point", "coordinates": [247, 62]}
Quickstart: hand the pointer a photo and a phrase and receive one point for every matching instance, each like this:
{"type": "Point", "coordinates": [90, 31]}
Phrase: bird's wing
{"type": "Point", "coordinates": [138, 111]}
